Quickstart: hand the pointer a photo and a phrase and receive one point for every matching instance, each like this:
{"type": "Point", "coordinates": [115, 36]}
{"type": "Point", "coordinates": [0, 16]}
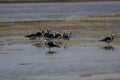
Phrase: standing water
{"type": "Point", "coordinates": [30, 62]}
{"type": "Point", "coordinates": [56, 11]}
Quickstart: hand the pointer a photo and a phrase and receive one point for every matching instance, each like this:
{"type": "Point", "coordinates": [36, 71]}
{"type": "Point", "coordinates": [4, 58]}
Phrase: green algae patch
{"type": "Point", "coordinates": [111, 79]}
{"type": "Point", "coordinates": [16, 49]}
{"type": "Point", "coordinates": [98, 19]}
{"type": "Point", "coordinates": [90, 73]}
{"type": "Point", "coordinates": [3, 20]}
{"type": "Point", "coordinates": [107, 61]}
{"type": "Point", "coordinates": [4, 52]}
{"type": "Point", "coordinates": [9, 79]}
{"type": "Point", "coordinates": [70, 42]}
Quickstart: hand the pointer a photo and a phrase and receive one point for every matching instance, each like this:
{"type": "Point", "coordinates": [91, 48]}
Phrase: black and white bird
{"type": "Point", "coordinates": [67, 35]}
{"type": "Point", "coordinates": [108, 39]}
{"type": "Point", "coordinates": [50, 44]}
{"type": "Point", "coordinates": [47, 34]}
{"type": "Point", "coordinates": [34, 36]}
{"type": "Point", "coordinates": [57, 35]}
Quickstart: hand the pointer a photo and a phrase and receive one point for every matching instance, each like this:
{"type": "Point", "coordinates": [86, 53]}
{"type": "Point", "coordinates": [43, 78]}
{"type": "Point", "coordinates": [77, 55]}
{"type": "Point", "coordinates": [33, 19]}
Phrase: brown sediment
{"type": "Point", "coordinates": [81, 27]}
{"type": "Point", "coordinates": [3, 52]}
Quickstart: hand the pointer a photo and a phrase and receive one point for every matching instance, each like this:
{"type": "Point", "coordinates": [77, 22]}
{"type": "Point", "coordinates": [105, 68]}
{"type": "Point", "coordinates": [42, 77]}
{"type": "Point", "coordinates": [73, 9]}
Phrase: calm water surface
{"type": "Point", "coordinates": [56, 11]}
{"type": "Point", "coordinates": [29, 62]}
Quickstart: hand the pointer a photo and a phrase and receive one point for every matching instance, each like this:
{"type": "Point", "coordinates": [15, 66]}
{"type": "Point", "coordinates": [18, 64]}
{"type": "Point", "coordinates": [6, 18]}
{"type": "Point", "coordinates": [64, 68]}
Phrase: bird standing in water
{"type": "Point", "coordinates": [67, 35]}
{"type": "Point", "coordinates": [108, 39]}
{"type": "Point", "coordinates": [50, 44]}
{"type": "Point", "coordinates": [34, 36]}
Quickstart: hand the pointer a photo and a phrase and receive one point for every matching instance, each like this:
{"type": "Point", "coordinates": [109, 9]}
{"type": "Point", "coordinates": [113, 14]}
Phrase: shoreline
{"type": "Point", "coordinates": [85, 19]}
{"type": "Point", "coordinates": [29, 21]}
{"type": "Point", "coordinates": [79, 27]}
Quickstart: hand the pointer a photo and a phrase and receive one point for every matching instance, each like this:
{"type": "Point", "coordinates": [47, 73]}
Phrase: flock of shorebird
{"type": "Point", "coordinates": [49, 36]}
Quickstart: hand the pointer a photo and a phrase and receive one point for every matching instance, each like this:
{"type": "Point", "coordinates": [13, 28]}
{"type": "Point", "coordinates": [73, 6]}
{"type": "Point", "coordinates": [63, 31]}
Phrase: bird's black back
{"type": "Point", "coordinates": [51, 44]}
{"type": "Point", "coordinates": [106, 39]}
{"type": "Point", "coordinates": [31, 35]}
{"type": "Point", "coordinates": [48, 35]}
{"type": "Point", "coordinates": [57, 35]}
{"type": "Point", "coordinates": [38, 34]}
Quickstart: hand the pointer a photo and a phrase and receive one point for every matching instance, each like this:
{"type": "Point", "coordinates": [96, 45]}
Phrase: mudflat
{"type": "Point", "coordinates": [95, 27]}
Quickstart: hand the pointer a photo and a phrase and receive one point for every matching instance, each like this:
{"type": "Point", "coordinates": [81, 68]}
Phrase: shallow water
{"type": "Point", "coordinates": [29, 62]}
{"type": "Point", "coordinates": [56, 11]}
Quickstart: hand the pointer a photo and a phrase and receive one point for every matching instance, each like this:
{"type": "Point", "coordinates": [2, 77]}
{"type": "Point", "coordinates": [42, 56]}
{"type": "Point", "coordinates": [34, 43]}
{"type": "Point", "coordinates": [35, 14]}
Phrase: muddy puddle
{"type": "Point", "coordinates": [20, 61]}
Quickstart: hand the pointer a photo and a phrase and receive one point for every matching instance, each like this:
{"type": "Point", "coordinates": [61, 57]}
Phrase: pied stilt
{"type": "Point", "coordinates": [34, 36]}
{"type": "Point", "coordinates": [108, 39]}
{"type": "Point", "coordinates": [67, 35]}
{"type": "Point", "coordinates": [50, 44]}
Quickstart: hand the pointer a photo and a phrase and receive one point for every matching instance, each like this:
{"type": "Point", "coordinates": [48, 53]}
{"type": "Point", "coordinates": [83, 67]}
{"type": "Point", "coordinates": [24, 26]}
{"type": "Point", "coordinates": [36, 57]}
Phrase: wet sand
{"type": "Point", "coordinates": [81, 28]}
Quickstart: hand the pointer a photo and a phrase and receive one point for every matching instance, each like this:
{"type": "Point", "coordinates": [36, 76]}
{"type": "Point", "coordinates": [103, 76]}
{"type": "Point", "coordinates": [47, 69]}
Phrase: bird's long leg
{"type": "Point", "coordinates": [108, 44]}
{"type": "Point", "coordinates": [39, 38]}
{"type": "Point", "coordinates": [49, 49]}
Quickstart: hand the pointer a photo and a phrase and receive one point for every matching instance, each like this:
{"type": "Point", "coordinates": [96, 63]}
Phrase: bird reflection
{"type": "Point", "coordinates": [50, 52]}
{"type": "Point", "coordinates": [108, 48]}
{"type": "Point", "coordinates": [38, 44]}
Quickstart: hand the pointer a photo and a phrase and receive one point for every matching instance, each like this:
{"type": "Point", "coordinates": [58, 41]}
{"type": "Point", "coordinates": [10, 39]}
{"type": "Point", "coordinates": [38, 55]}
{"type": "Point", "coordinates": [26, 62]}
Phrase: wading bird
{"type": "Point", "coordinates": [47, 34]}
{"type": "Point", "coordinates": [34, 36]}
{"type": "Point", "coordinates": [57, 35]}
{"type": "Point", "coordinates": [50, 44]}
{"type": "Point", "coordinates": [67, 35]}
{"type": "Point", "coordinates": [108, 39]}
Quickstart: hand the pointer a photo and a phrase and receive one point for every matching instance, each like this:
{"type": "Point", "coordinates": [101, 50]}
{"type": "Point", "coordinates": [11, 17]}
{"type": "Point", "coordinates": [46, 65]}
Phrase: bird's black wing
{"type": "Point", "coordinates": [106, 38]}
{"type": "Point", "coordinates": [31, 35]}
{"type": "Point", "coordinates": [51, 44]}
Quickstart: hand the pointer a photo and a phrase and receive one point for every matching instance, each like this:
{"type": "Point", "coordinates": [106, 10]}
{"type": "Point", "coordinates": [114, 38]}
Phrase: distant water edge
{"type": "Point", "coordinates": [31, 1]}
{"type": "Point", "coordinates": [57, 11]}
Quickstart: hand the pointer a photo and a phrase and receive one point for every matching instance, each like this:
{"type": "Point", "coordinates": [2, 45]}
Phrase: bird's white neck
{"type": "Point", "coordinates": [112, 37]}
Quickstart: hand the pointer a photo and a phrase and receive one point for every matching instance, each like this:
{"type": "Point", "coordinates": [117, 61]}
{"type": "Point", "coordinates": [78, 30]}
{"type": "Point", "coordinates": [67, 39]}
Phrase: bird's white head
{"type": "Point", "coordinates": [46, 40]}
{"type": "Point", "coordinates": [113, 35]}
